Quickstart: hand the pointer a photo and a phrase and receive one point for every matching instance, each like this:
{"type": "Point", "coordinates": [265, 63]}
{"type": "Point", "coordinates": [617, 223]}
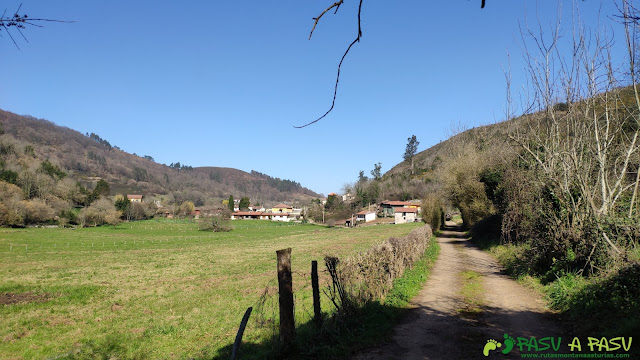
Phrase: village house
{"type": "Point", "coordinates": [405, 215]}
{"type": "Point", "coordinates": [282, 208]}
{"type": "Point", "coordinates": [257, 208]}
{"type": "Point", "coordinates": [366, 216]}
{"type": "Point", "coordinates": [134, 198]}
{"type": "Point", "coordinates": [261, 215]}
{"type": "Point", "coordinates": [388, 208]}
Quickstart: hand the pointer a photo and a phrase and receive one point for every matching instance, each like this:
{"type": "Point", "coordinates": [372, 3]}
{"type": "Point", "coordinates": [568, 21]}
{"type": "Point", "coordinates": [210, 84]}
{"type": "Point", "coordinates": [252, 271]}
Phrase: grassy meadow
{"type": "Point", "coordinates": [158, 288]}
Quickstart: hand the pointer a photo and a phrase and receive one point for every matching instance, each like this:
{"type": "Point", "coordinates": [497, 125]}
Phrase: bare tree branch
{"type": "Point", "coordinates": [336, 5]}
{"type": "Point", "coordinates": [357, 39]}
{"type": "Point", "coordinates": [20, 22]}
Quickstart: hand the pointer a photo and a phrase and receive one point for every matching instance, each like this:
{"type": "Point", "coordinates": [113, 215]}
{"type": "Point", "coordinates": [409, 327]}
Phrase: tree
{"type": "Point", "coordinates": [411, 150]}
{"type": "Point", "coordinates": [244, 203]}
{"type": "Point", "coordinates": [376, 172]}
{"type": "Point", "coordinates": [362, 177]}
{"type": "Point", "coordinates": [231, 203]}
{"type": "Point", "coordinates": [102, 189]}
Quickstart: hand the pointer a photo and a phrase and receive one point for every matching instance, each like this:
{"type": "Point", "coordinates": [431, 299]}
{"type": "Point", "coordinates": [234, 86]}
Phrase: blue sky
{"type": "Point", "coordinates": [222, 83]}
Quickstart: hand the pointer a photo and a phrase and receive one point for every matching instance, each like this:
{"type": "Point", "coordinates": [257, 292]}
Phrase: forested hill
{"type": "Point", "coordinates": [26, 143]}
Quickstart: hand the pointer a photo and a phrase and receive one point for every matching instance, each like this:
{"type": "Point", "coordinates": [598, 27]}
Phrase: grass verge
{"type": "Point", "coordinates": [371, 324]}
{"type": "Point", "coordinates": [375, 321]}
{"type": "Point", "coordinates": [596, 306]}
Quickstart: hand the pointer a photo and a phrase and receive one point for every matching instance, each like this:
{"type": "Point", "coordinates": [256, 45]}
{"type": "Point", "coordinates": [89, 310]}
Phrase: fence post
{"type": "Point", "coordinates": [243, 324]}
{"type": "Point", "coordinates": [317, 315]}
{"type": "Point", "coordinates": [285, 288]}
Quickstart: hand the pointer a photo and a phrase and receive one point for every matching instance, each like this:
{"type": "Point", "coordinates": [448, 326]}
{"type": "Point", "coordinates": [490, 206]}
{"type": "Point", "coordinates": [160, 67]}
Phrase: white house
{"type": "Point", "coordinates": [405, 215]}
{"type": "Point", "coordinates": [366, 216]}
{"type": "Point", "coordinates": [280, 217]}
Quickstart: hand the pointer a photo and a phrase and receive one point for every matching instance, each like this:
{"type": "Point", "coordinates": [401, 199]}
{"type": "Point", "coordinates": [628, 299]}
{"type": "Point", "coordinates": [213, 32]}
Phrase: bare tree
{"type": "Point", "coordinates": [584, 140]}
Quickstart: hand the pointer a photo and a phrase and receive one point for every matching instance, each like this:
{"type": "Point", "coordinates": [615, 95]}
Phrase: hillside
{"type": "Point", "coordinates": [27, 142]}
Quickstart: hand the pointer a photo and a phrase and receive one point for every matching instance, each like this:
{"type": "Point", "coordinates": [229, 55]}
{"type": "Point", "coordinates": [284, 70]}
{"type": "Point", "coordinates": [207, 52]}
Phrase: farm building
{"type": "Point", "coordinates": [366, 216]}
{"type": "Point", "coordinates": [134, 198]}
{"type": "Point", "coordinates": [260, 215]}
{"type": "Point", "coordinates": [388, 208]}
{"type": "Point", "coordinates": [405, 215]}
{"type": "Point", "coordinates": [282, 208]}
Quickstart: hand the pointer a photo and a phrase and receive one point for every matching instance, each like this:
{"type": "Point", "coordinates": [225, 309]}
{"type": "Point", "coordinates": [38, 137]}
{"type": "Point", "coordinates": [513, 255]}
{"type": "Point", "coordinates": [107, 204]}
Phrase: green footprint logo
{"type": "Point", "coordinates": [508, 344]}
{"type": "Point", "coordinates": [490, 345]}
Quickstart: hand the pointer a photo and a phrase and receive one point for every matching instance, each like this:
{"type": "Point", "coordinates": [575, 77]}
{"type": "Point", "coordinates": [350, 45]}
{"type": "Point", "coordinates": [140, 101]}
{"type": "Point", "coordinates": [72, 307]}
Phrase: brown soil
{"type": "Point", "coordinates": [23, 298]}
{"type": "Point", "coordinates": [438, 327]}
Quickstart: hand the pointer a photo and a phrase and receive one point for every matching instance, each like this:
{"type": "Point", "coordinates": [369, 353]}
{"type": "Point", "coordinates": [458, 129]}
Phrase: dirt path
{"type": "Point", "coordinates": [440, 325]}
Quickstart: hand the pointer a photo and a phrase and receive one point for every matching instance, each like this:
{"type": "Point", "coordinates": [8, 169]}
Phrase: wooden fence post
{"type": "Point", "coordinates": [317, 315]}
{"type": "Point", "coordinates": [243, 324]}
{"type": "Point", "coordinates": [285, 288]}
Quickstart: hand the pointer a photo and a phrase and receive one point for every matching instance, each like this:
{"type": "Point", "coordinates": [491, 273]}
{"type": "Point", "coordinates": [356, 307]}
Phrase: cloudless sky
{"type": "Point", "coordinates": [222, 83]}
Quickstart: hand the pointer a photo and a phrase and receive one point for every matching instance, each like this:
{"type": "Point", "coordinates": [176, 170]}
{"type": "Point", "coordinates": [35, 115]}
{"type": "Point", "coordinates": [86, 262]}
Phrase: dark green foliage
{"type": "Point", "coordinates": [100, 140]}
{"type": "Point", "coordinates": [244, 203]}
{"type": "Point", "coordinates": [362, 177]}
{"type": "Point", "coordinates": [140, 174]}
{"type": "Point", "coordinates": [29, 151]}
{"type": "Point", "coordinates": [6, 149]}
{"type": "Point", "coordinates": [102, 189]}
{"type": "Point", "coordinates": [231, 204]}
{"type": "Point", "coordinates": [122, 204]}
{"type": "Point", "coordinates": [282, 185]}
{"type": "Point", "coordinates": [377, 171]}
{"type": "Point", "coordinates": [52, 170]}
{"type": "Point", "coordinates": [148, 158]}
{"type": "Point", "coordinates": [333, 202]}
{"type": "Point", "coordinates": [97, 158]}
{"type": "Point", "coordinates": [492, 180]}
{"type": "Point", "coordinates": [9, 176]}
{"type": "Point", "coordinates": [411, 149]}
{"type": "Point", "coordinates": [561, 107]}
{"type": "Point", "coordinates": [215, 176]}
{"type": "Point", "coordinates": [179, 167]}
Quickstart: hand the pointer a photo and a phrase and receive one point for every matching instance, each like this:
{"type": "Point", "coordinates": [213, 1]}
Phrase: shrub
{"type": "Point", "coordinates": [215, 224]}
{"type": "Point", "coordinates": [369, 275]}
{"type": "Point", "coordinates": [432, 211]}
{"type": "Point", "coordinates": [100, 212]}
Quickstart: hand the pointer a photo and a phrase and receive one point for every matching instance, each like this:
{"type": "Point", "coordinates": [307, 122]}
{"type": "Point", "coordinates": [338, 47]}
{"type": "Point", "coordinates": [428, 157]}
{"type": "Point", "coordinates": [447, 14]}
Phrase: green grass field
{"type": "Point", "coordinates": [158, 288]}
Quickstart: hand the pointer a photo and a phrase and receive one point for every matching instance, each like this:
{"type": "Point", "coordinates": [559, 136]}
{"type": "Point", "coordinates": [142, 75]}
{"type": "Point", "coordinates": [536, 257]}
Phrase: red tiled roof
{"type": "Point", "coordinates": [365, 212]}
{"type": "Point", "coordinates": [284, 206]}
{"type": "Point", "coordinates": [134, 197]}
{"type": "Point", "coordinates": [400, 203]}
{"type": "Point", "coordinates": [247, 213]}
{"type": "Point", "coordinates": [406, 209]}
{"type": "Point", "coordinates": [258, 213]}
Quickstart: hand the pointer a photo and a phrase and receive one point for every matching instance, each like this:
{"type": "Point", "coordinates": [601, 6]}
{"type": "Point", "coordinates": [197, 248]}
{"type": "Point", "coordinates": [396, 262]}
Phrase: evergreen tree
{"type": "Point", "coordinates": [231, 203]}
{"type": "Point", "coordinates": [411, 150]}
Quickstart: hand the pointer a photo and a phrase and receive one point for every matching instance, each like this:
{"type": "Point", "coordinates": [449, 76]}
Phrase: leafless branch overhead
{"type": "Point", "coordinates": [357, 39]}
{"type": "Point", "coordinates": [337, 5]}
{"type": "Point", "coordinates": [19, 22]}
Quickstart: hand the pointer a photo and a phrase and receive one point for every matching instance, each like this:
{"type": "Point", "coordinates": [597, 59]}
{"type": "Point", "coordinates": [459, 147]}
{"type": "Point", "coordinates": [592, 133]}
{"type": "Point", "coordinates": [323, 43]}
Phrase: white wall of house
{"type": "Point", "coordinates": [278, 217]}
{"type": "Point", "coordinates": [405, 217]}
{"type": "Point", "coordinates": [367, 217]}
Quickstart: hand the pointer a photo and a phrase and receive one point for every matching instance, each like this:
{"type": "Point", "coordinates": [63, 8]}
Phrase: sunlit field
{"type": "Point", "coordinates": [158, 288]}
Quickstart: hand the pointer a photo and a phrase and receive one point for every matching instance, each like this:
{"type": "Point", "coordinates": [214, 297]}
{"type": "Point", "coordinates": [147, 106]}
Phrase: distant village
{"type": "Point", "coordinates": [397, 212]}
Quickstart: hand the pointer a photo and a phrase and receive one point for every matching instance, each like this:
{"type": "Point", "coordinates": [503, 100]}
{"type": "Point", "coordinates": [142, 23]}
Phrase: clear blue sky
{"type": "Point", "coordinates": [222, 83]}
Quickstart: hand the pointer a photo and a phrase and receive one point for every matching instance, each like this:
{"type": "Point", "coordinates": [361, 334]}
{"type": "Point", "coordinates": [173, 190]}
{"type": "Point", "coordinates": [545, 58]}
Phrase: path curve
{"type": "Point", "coordinates": [434, 327]}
